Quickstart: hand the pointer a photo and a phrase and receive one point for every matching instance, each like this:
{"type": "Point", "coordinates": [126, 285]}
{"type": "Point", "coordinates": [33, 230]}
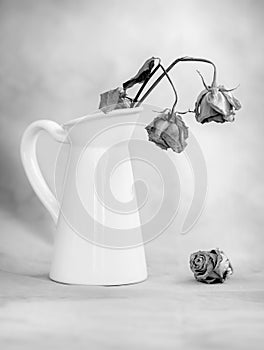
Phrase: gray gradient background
{"type": "Point", "coordinates": [57, 56]}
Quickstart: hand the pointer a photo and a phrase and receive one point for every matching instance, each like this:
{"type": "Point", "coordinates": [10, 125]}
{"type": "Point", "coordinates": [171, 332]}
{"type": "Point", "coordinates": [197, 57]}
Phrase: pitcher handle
{"type": "Point", "coordinates": [30, 161]}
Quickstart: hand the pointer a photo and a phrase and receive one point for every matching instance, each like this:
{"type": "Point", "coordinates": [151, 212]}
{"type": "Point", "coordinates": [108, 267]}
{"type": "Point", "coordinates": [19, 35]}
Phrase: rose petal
{"type": "Point", "coordinates": [113, 99]}
{"type": "Point", "coordinates": [198, 263]}
{"type": "Point", "coordinates": [168, 132]}
{"type": "Point", "coordinates": [175, 134]}
{"type": "Point", "coordinates": [218, 118]}
{"type": "Point", "coordinates": [213, 256]}
{"type": "Point", "coordinates": [224, 267]}
{"type": "Point", "coordinates": [194, 264]}
{"type": "Point", "coordinates": [206, 113]}
{"type": "Point", "coordinates": [214, 274]}
{"type": "Point", "coordinates": [155, 128]}
{"type": "Point", "coordinates": [200, 97]}
{"type": "Point", "coordinates": [171, 137]}
{"type": "Point", "coordinates": [231, 99]}
{"type": "Point", "coordinates": [208, 268]}
{"type": "Point", "coordinates": [178, 120]}
{"type": "Point", "coordinates": [212, 280]}
{"type": "Point", "coordinates": [218, 102]}
{"type": "Point", "coordinates": [157, 140]}
{"type": "Point", "coordinates": [215, 269]}
{"type": "Point", "coordinates": [230, 118]}
{"type": "Point", "coordinates": [198, 102]}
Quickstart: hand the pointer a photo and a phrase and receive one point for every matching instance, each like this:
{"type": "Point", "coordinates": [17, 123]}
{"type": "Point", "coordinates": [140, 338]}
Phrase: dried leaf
{"type": "Point", "coordinates": [141, 75]}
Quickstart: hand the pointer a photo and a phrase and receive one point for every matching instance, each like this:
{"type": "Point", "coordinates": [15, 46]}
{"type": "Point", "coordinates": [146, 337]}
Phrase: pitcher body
{"type": "Point", "coordinates": [98, 237]}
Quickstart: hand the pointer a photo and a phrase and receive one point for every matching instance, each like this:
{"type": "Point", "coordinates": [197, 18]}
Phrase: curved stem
{"type": "Point", "coordinates": [135, 99]}
{"type": "Point", "coordinates": [173, 87]}
{"type": "Point", "coordinates": [181, 59]}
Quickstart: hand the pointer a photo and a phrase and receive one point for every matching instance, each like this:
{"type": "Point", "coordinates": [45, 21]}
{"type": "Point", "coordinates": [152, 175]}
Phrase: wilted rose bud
{"type": "Point", "coordinates": [216, 104]}
{"type": "Point", "coordinates": [168, 131]}
{"type": "Point", "coordinates": [210, 266]}
{"type": "Point", "coordinates": [114, 99]}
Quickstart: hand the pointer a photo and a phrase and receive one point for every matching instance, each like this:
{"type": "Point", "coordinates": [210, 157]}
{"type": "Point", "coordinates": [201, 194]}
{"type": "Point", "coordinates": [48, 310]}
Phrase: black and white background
{"type": "Point", "coordinates": [56, 57]}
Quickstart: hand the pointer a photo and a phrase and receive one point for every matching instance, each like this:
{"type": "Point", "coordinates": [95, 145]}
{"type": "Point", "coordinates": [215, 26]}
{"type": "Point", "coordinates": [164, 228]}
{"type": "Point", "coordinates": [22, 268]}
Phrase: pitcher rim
{"type": "Point", "coordinates": [100, 114]}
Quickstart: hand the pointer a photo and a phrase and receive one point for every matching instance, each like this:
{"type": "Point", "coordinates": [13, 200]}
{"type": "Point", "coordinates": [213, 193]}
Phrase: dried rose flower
{"type": "Point", "coordinates": [216, 104]}
{"type": "Point", "coordinates": [142, 75]}
{"type": "Point", "coordinates": [210, 266]}
{"type": "Point", "coordinates": [117, 98]}
{"type": "Point", "coordinates": [168, 131]}
{"type": "Point", "coordinates": [114, 99]}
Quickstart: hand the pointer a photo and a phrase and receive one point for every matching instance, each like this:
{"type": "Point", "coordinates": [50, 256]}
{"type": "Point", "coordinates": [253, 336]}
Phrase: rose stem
{"type": "Point", "coordinates": [143, 86]}
{"type": "Point", "coordinates": [135, 99]}
{"type": "Point", "coordinates": [182, 59]}
{"type": "Point", "coordinates": [173, 87]}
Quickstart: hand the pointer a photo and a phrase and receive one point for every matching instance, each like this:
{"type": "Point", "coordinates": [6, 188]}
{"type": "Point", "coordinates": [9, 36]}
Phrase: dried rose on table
{"type": "Point", "coordinates": [210, 266]}
{"type": "Point", "coordinates": [168, 131]}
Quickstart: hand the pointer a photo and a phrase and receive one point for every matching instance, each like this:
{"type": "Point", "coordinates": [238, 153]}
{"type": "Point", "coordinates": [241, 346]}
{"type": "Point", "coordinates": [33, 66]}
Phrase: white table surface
{"type": "Point", "coordinates": [168, 311]}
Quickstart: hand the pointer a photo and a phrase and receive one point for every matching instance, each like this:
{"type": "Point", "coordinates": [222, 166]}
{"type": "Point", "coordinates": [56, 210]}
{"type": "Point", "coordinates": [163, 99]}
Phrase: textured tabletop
{"type": "Point", "coordinates": [165, 312]}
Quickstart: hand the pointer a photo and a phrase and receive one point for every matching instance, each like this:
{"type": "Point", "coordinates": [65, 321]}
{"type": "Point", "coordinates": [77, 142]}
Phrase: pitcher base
{"type": "Point", "coordinates": [98, 283]}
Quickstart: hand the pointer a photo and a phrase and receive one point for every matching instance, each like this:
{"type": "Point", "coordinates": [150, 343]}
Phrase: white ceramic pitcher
{"type": "Point", "coordinates": [94, 245]}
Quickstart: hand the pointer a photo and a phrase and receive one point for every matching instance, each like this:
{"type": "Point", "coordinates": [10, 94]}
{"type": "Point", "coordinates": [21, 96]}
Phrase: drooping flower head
{"type": "Point", "coordinates": [168, 130]}
{"type": "Point", "coordinates": [216, 103]}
